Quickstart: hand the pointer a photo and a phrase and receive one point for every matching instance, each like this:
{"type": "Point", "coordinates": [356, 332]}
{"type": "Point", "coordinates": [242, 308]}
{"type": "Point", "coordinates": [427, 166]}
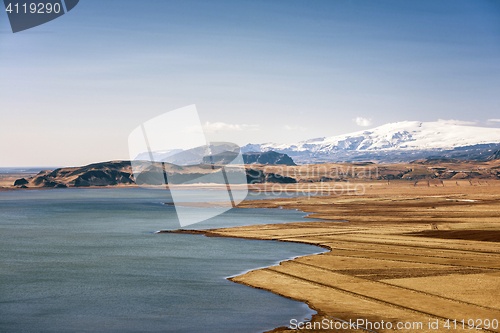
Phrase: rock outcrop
{"type": "Point", "coordinates": [266, 158]}
{"type": "Point", "coordinates": [21, 182]}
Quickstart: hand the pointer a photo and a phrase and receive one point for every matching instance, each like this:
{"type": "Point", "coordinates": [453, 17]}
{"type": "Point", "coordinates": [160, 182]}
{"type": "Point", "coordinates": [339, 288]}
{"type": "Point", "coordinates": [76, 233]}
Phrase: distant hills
{"type": "Point", "coordinates": [97, 174]}
{"type": "Point", "coordinates": [267, 158]}
{"type": "Point", "coordinates": [395, 142]}
{"type": "Point", "coordinates": [221, 153]}
{"type": "Point", "coordinates": [410, 150]}
{"type": "Point", "coordinates": [119, 173]}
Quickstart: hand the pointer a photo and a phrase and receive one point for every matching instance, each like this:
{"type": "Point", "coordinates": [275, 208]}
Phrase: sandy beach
{"type": "Point", "coordinates": [412, 257]}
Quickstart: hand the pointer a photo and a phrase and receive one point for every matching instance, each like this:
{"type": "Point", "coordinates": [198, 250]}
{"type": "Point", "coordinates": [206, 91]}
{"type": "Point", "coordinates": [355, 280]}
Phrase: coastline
{"type": "Point", "coordinates": [318, 315]}
{"type": "Point", "coordinates": [105, 239]}
{"type": "Point", "coordinates": [394, 261]}
{"type": "Point", "coordinates": [380, 267]}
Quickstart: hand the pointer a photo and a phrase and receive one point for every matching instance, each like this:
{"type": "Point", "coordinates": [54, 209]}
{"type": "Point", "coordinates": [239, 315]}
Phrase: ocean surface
{"type": "Point", "coordinates": [89, 260]}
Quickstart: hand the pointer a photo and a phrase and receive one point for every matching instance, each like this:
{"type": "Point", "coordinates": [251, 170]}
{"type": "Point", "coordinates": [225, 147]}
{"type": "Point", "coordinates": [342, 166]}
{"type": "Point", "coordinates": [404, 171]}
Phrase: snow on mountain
{"type": "Point", "coordinates": [405, 135]}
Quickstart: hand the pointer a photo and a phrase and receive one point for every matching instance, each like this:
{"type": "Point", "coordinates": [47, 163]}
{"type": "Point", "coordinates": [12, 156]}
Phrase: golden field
{"type": "Point", "coordinates": [400, 251]}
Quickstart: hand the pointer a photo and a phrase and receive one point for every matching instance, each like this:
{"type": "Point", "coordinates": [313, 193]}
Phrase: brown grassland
{"type": "Point", "coordinates": [399, 251]}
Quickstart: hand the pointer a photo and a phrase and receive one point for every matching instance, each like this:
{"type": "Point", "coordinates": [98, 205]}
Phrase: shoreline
{"type": "Point", "coordinates": [208, 233]}
{"type": "Point", "coordinates": [394, 261]}
{"type": "Point", "coordinates": [385, 265]}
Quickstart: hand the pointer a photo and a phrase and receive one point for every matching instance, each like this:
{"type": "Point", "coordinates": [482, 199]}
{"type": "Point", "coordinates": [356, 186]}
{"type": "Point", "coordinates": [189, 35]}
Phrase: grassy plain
{"type": "Point", "coordinates": [400, 251]}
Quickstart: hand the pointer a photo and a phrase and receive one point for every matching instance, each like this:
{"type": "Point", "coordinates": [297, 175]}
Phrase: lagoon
{"type": "Point", "coordinates": [78, 260]}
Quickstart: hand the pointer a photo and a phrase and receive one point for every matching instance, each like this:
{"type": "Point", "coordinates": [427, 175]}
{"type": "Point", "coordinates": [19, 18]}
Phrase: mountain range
{"type": "Point", "coordinates": [394, 142]}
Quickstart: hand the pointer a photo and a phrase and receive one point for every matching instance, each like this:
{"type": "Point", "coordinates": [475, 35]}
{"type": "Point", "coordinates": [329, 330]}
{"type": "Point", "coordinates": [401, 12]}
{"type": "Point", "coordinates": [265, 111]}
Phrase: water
{"type": "Point", "coordinates": [81, 260]}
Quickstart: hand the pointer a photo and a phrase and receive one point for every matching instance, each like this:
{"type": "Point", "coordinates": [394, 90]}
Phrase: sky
{"type": "Point", "coordinates": [73, 89]}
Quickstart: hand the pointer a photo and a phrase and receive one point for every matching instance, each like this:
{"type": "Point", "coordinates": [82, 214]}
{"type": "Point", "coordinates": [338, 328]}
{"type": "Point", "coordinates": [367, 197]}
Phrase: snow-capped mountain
{"type": "Point", "coordinates": [401, 141]}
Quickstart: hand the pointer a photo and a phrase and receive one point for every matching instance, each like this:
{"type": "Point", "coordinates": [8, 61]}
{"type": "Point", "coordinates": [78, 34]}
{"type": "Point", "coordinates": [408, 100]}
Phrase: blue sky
{"type": "Point", "coordinates": [284, 71]}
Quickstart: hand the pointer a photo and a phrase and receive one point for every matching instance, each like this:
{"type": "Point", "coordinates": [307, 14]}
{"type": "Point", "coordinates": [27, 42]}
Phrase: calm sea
{"type": "Point", "coordinates": [86, 260]}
